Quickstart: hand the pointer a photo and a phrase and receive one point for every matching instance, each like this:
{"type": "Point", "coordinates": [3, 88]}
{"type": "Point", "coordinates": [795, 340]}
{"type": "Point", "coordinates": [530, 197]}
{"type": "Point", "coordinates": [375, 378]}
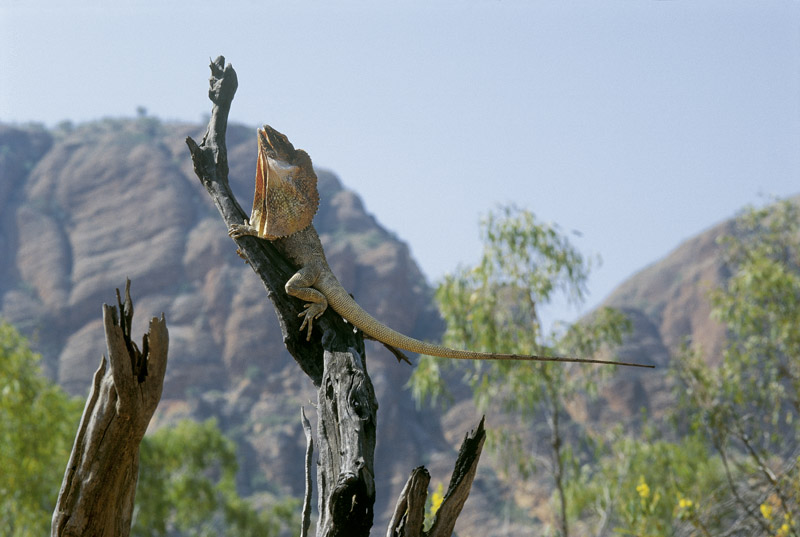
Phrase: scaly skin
{"type": "Point", "coordinates": [281, 166]}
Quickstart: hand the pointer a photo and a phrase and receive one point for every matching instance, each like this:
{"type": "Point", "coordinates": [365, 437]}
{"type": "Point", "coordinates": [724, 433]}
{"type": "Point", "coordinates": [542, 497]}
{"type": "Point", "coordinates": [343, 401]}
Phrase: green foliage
{"type": "Point", "coordinates": [647, 485]}
{"type": "Point", "coordinates": [733, 468]}
{"type": "Point", "coordinates": [187, 487]}
{"type": "Point", "coordinates": [761, 309]}
{"type": "Point", "coordinates": [494, 307]}
{"type": "Point", "coordinates": [37, 424]}
{"type": "Point", "coordinates": [748, 406]}
{"type": "Point", "coordinates": [731, 464]}
{"type": "Point", "coordinates": [494, 304]}
{"type": "Point", "coordinates": [186, 474]}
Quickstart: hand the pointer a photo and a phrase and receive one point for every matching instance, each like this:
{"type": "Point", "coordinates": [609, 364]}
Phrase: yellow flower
{"type": "Point", "coordinates": [642, 488]}
{"type": "Point", "coordinates": [436, 499]}
{"type": "Point", "coordinates": [783, 531]}
{"type": "Point", "coordinates": [685, 503]}
{"type": "Point", "coordinates": [766, 510]}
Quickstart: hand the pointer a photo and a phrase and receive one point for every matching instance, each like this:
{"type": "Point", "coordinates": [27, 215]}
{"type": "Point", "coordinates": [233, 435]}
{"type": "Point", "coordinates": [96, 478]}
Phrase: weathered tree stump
{"type": "Point", "coordinates": [346, 412]}
{"type": "Point", "coordinates": [99, 486]}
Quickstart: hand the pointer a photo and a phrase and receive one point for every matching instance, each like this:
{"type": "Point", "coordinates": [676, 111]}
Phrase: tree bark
{"type": "Point", "coordinates": [334, 359]}
{"type": "Point", "coordinates": [96, 497]}
{"type": "Point", "coordinates": [346, 427]}
{"type": "Point", "coordinates": [460, 483]}
{"type": "Point", "coordinates": [305, 518]}
{"type": "Point", "coordinates": [409, 514]}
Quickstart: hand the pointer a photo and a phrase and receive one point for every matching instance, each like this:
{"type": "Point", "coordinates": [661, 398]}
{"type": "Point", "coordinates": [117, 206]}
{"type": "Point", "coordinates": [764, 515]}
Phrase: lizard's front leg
{"type": "Point", "coordinates": [237, 231]}
{"type": "Point", "coordinates": [300, 286]}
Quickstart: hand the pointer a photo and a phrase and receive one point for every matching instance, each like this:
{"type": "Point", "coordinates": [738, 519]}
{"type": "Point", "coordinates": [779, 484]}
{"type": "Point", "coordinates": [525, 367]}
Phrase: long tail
{"type": "Point", "coordinates": [344, 305]}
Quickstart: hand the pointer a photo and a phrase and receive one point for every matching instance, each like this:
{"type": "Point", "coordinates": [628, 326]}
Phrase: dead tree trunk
{"type": "Point", "coordinates": [346, 431]}
{"type": "Point", "coordinates": [334, 359]}
{"type": "Point", "coordinates": [99, 486]}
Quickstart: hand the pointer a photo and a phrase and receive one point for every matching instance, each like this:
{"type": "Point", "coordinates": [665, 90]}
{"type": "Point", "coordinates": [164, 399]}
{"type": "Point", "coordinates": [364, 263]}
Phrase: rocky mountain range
{"type": "Point", "coordinates": [84, 207]}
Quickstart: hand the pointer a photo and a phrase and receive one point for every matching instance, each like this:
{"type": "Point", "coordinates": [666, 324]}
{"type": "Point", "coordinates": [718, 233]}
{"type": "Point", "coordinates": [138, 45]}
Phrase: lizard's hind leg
{"type": "Point", "coordinates": [300, 286]}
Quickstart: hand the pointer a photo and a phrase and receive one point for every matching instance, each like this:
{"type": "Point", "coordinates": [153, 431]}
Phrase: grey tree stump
{"type": "Point", "coordinates": [96, 497]}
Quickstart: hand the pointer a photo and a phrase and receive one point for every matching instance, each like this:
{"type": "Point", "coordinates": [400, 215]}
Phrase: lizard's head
{"type": "Point", "coordinates": [275, 145]}
{"type": "Point", "coordinates": [286, 186]}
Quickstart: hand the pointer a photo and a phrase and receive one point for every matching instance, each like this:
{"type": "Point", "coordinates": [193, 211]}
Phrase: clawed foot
{"type": "Point", "coordinates": [312, 311]}
{"type": "Point", "coordinates": [237, 231]}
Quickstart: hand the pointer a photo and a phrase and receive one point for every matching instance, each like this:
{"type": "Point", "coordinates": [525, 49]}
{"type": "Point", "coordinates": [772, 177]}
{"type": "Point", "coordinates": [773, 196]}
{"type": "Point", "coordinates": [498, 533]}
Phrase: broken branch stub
{"type": "Point", "coordinates": [460, 483]}
{"type": "Point", "coordinates": [409, 514]}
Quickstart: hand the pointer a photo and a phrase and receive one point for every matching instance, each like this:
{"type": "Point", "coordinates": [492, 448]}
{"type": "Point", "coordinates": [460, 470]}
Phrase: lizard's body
{"type": "Point", "coordinates": [316, 283]}
{"type": "Point", "coordinates": [285, 202]}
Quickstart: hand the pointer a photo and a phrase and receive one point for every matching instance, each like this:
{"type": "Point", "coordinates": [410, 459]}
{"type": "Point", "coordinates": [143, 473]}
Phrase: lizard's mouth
{"type": "Point", "coordinates": [270, 146]}
{"type": "Point", "coordinates": [275, 145]}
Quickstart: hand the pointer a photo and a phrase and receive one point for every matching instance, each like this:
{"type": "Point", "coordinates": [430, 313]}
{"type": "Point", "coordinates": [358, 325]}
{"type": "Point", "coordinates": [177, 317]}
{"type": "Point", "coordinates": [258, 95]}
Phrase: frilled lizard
{"type": "Point", "coordinates": [286, 199]}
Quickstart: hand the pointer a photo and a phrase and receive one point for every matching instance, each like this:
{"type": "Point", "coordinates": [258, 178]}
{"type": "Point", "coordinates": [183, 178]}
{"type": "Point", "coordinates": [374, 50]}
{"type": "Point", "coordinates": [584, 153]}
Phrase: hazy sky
{"type": "Point", "coordinates": [638, 123]}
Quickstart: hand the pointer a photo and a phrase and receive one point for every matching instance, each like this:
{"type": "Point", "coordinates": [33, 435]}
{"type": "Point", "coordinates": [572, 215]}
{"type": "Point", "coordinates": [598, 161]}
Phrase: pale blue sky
{"type": "Point", "coordinates": [637, 122]}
